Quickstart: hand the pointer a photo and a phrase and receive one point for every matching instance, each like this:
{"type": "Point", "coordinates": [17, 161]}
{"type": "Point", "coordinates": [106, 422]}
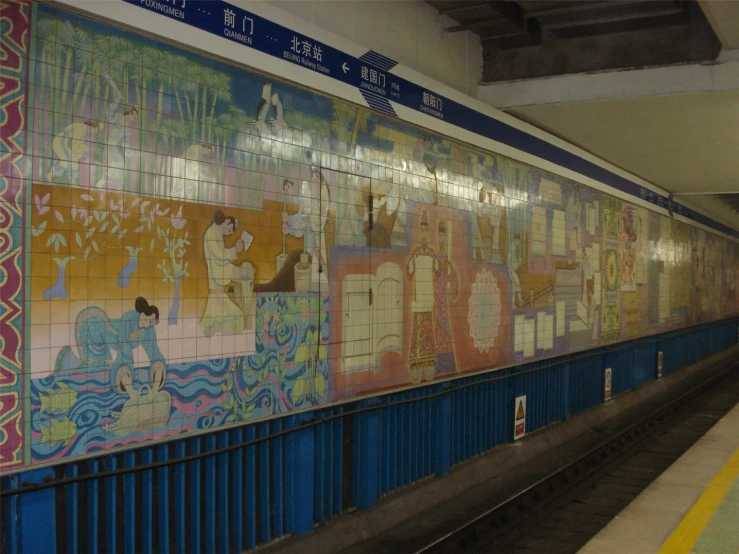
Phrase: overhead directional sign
{"type": "Point", "coordinates": [371, 75]}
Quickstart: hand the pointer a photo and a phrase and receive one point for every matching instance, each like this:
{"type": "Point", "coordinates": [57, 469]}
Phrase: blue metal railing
{"type": "Point", "coordinates": [282, 476]}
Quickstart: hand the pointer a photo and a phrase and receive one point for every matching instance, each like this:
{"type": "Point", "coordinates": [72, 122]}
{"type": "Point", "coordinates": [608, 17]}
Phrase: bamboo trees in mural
{"type": "Point", "coordinates": [185, 128]}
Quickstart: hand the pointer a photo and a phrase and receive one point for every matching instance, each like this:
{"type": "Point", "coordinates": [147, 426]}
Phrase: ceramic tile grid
{"type": "Point", "coordinates": [193, 245]}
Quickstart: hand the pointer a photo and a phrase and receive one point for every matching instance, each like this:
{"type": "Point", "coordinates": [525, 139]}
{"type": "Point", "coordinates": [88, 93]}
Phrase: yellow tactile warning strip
{"type": "Point", "coordinates": [687, 533]}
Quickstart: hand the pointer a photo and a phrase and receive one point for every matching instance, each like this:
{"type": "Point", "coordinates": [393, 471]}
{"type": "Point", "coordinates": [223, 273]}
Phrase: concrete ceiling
{"type": "Point", "coordinates": [683, 143]}
{"type": "Point", "coordinates": [723, 15]}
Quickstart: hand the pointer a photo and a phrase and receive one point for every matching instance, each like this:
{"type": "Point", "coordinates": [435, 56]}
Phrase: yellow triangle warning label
{"type": "Point", "coordinates": [519, 412]}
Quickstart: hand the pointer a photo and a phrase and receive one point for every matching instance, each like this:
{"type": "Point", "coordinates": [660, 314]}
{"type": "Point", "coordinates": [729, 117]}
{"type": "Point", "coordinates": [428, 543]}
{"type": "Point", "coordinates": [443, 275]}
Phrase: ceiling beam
{"type": "Point", "coordinates": [723, 192]}
{"type": "Point", "coordinates": [480, 23]}
{"type": "Point", "coordinates": [463, 8]}
{"type": "Point", "coordinates": [664, 45]}
{"type": "Point", "coordinates": [616, 18]}
{"type": "Point", "coordinates": [580, 7]}
{"type": "Point", "coordinates": [510, 22]}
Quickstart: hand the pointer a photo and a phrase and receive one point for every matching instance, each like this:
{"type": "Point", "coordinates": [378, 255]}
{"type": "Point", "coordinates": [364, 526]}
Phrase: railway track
{"type": "Point", "coordinates": [561, 512]}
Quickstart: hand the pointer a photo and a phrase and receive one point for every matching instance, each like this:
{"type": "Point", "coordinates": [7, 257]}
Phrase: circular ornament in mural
{"type": "Point", "coordinates": [611, 270]}
{"type": "Point", "coordinates": [484, 313]}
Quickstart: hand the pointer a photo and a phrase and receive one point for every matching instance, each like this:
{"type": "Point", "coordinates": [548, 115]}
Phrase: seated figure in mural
{"type": "Point", "coordinates": [266, 102]}
{"type": "Point", "coordinates": [446, 287]}
{"type": "Point", "coordinates": [120, 154]}
{"type": "Point", "coordinates": [310, 223]}
{"type": "Point", "coordinates": [486, 224]}
{"type": "Point", "coordinates": [103, 342]}
{"type": "Point", "coordinates": [230, 306]}
{"type": "Point", "coordinates": [420, 269]}
{"type": "Point", "coordinates": [69, 148]}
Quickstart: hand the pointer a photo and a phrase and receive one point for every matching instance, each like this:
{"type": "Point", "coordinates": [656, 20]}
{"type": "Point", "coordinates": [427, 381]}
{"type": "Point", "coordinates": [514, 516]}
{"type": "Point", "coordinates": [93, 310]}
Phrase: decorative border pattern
{"type": "Point", "coordinates": [14, 29]}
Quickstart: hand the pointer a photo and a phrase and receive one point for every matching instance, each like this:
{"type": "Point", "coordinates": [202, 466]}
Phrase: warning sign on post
{"type": "Point", "coordinates": [607, 384]}
{"type": "Point", "coordinates": [519, 419]}
{"type": "Point", "coordinates": [659, 365]}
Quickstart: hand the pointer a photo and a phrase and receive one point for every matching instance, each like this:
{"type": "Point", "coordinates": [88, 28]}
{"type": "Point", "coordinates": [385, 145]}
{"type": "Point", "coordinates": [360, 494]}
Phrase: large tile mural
{"type": "Point", "coordinates": [188, 245]}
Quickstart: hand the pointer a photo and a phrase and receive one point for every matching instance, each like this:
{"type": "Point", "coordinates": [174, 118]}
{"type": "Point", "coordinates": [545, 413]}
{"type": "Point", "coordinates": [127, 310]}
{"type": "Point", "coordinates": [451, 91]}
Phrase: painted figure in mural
{"type": "Point", "coordinates": [69, 148]}
{"type": "Point", "coordinates": [120, 152]}
{"type": "Point", "coordinates": [99, 337]}
{"type": "Point", "coordinates": [446, 286]}
{"type": "Point", "coordinates": [486, 224]}
{"type": "Point", "coordinates": [420, 269]}
{"type": "Point", "coordinates": [423, 151]}
{"type": "Point", "coordinates": [380, 214]}
{"type": "Point", "coordinates": [230, 306]}
{"type": "Point", "coordinates": [310, 223]}
{"type": "Point", "coordinates": [266, 102]}
{"type": "Point", "coordinates": [586, 267]}
{"type": "Point", "coordinates": [188, 171]}
{"type": "Point", "coordinates": [515, 262]}
{"type": "Point", "coordinates": [629, 246]}
{"type": "Point", "coordinates": [573, 211]}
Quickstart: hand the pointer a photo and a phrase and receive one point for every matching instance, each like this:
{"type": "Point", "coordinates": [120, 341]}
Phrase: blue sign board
{"type": "Point", "coordinates": [371, 75]}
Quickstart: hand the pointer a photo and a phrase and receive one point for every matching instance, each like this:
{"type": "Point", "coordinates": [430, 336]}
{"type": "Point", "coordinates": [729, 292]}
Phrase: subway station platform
{"type": "Point", "coordinates": [692, 508]}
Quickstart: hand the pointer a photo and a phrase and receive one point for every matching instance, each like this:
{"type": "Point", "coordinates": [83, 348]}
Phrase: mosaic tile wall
{"type": "Point", "coordinates": [187, 245]}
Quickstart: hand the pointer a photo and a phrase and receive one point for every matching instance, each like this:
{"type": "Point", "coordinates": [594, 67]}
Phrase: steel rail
{"type": "Point", "coordinates": [603, 446]}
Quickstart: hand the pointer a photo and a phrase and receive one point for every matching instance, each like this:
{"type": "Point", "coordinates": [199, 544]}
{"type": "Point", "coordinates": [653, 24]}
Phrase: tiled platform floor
{"type": "Point", "coordinates": [692, 508]}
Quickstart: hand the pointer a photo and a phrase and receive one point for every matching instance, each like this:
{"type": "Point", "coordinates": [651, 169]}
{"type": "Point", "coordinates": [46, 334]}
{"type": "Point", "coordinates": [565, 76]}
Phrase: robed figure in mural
{"type": "Point", "coordinates": [420, 269]}
{"type": "Point", "coordinates": [70, 147]}
{"type": "Point", "coordinates": [486, 224]}
{"type": "Point", "coordinates": [310, 223]}
{"type": "Point", "coordinates": [446, 288]}
{"type": "Point", "coordinates": [230, 307]}
{"type": "Point", "coordinates": [515, 262]}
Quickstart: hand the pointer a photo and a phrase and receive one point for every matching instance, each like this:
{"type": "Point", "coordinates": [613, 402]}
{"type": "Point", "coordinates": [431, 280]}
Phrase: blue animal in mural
{"type": "Point", "coordinates": [98, 337]}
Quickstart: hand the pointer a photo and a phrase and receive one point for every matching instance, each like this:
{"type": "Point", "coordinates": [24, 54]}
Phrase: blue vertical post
{"type": "Point", "coordinates": [146, 512]}
{"type": "Point", "coordinates": [163, 492]}
{"type": "Point", "coordinates": [299, 476]}
{"type": "Point", "coordinates": [277, 481]}
{"type": "Point", "coordinates": [129, 504]}
{"type": "Point", "coordinates": [93, 503]}
{"type": "Point", "coordinates": [180, 495]}
{"type": "Point", "coordinates": [36, 513]}
{"type": "Point", "coordinates": [9, 510]}
{"type": "Point", "coordinates": [111, 502]}
{"type": "Point", "coordinates": [366, 459]}
{"type": "Point", "coordinates": [441, 431]}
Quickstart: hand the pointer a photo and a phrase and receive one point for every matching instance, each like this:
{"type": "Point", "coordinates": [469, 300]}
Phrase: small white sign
{"type": "Point", "coordinates": [660, 358]}
{"type": "Point", "coordinates": [519, 418]}
{"type": "Point", "coordinates": [607, 384]}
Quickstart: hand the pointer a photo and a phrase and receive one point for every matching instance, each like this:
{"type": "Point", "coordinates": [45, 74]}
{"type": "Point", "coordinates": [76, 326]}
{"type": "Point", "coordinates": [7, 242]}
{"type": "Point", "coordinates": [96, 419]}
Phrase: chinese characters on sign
{"type": "Point", "coordinates": [305, 48]}
{"type": "Point", "coordinates": [247, 27]}
{"type": "Point", "coordinates": [432, 105]}
{"type": "Point", "coordinates": [373, 76]}
{"type": "Point", "coordinates": [306, 53]}
{"type": "Point", "coordinates": [373, 80]}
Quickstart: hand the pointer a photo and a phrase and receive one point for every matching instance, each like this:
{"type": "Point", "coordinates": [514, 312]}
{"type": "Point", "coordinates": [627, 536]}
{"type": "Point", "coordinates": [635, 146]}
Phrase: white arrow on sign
{"type": "Point", "coordinates": [344, 67]}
